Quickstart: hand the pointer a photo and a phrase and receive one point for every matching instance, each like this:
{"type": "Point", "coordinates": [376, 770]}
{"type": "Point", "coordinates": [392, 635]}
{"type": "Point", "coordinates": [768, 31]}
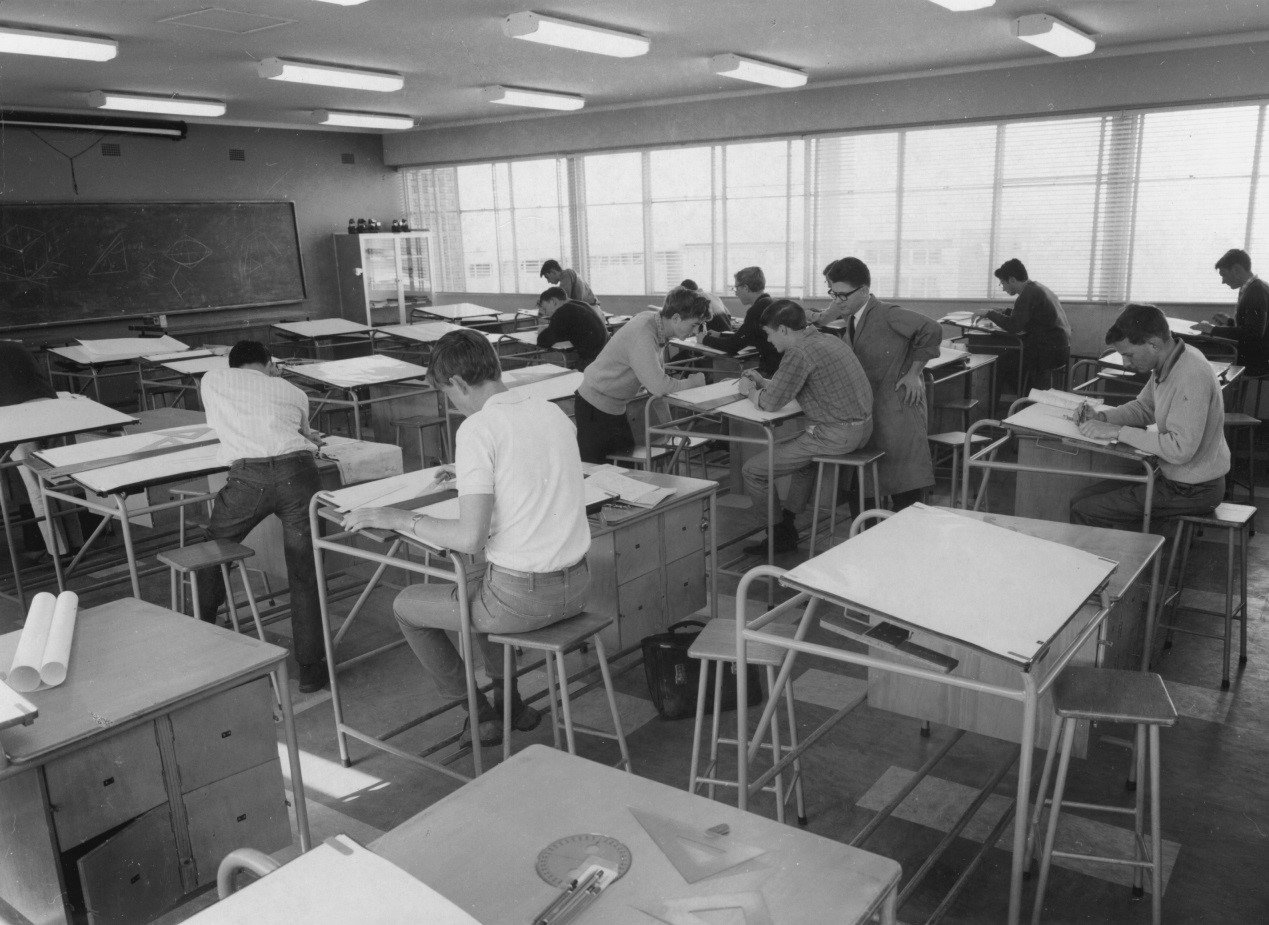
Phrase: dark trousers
{"type": "Point", "coordinates": [600, 433]}
{"type": "Point", "coordinates": [1120, 506]}
{"type": "Point", "coordinates": [281, 485]}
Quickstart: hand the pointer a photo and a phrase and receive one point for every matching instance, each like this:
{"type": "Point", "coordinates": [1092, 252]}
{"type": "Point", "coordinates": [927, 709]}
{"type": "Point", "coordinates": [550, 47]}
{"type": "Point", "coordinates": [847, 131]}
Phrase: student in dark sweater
{"type": "Point", "coordinates": [1037, 314]}
{"type": "Point", "coordinates": [751, 290]}
{"type": "Point", "coordinates": [1250, 325]}
{"type": "Point", "coordinates": [572, 321]}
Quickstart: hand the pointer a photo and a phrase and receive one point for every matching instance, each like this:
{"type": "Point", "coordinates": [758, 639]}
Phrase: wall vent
{"type": "Point", "coordinates": [111, 149]}
{"type": "Point", "coordinates": [347, 158]}
{"type": "Point", "coordinates": [237, 154]}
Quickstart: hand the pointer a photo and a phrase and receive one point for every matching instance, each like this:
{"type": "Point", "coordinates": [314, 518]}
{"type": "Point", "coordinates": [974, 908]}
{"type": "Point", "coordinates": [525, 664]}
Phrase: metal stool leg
{"type": "Point", "coordinates": [612, 702]}
{"type": "Point", "coordinates": [798, 793]}
{"type": "Point", "coordinates": [717, 723]}
{"type": "Point", "coordinates": [565, 702]}
{"type": "Point", "coordinates": [815, 510]}
{"type": "Point", "coordinates": [1156, 831]}
{"type": "Point", "coordinates": [229, 597]}
{"type": "Point", "coordinates": [1033, 830]}
{"type": "Point", "coordinates": [778, 780]}
{"type": "Point", "coordinates": [193, 592]}
{"type": "Point", "coordinates": [173, 581]}
{"type": "Point", "coordinates": [551, 692]}
{"type": "Point", "coordinates": [1068, 734]}
{"type": "Point", "coordinates": [1139, 810]}
{"type": "Point", "coordinates": [1229, 606]}
{"type": "Point", "coordinates": [1244, 540]}
{"type": "Point", "coordinates": [255, 618]}
{"type": "Point", "coordinates": [508, 678]}
{"type": "Point", "coordinates": [699, 726]}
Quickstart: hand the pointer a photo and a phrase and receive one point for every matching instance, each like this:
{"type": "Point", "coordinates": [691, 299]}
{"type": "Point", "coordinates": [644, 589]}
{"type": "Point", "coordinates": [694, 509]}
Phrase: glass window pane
{"type": "Point", "coordinates": [680, 173]}
{"type": "Point", "coordinates": [616, 248]}
{"type": "Point", "coordinates": [855, 203]}
{"type": "Point", "coordinates": [614, 178]}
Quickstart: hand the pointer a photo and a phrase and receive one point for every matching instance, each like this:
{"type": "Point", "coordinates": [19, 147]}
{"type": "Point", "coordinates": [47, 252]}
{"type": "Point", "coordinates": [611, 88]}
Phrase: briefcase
{"type": "Point", "coordinates": [673, 675]}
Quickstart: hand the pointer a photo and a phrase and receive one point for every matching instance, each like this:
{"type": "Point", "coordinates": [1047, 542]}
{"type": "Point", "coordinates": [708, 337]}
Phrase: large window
{"type": "Point", "coordinates": [1104, 207]}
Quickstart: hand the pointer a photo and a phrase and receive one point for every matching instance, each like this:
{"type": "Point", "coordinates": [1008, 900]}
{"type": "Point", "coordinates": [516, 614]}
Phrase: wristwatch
{"type": "Point", "coordinates": [414, 522]}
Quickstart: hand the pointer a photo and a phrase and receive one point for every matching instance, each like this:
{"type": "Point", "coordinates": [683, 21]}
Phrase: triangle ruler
{"type": "Point", "coordinates": [683, 911]}
{"type": "Point", "coordinates": [695, 853]}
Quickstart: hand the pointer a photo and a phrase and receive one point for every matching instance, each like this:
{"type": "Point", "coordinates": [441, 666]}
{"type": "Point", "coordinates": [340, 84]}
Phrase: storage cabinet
{"type": "Point", "coordinates": [382, 275]}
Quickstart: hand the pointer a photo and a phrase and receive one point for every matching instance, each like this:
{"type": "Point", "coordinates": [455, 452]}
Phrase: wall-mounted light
{"type": "Point", "coordinates": [963, 6]}
{"type": "Point", "coordinates": [536, 99]}
{"type": "Point", "coordinates": [547, 30]}
{"type": "Point", "coordinates": [759, 72]}
{"type": "Point", "coordinates": [1052, 35]}
{"type": "Point", "coordinates": [56, 45]}
{"type": "Point", "coordinates": [329, 75]}
{"type": "Point", "coordinates": [362, 119]}
{"type": "Point", "coordinates": [166, 105]}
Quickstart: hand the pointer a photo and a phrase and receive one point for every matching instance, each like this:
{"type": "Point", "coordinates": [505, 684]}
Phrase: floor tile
{"type": "Point", "coordinates": [826, 689]}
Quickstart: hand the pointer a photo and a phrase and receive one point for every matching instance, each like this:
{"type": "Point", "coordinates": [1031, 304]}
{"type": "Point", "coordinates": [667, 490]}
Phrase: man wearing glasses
{"type": "Point", "coordinates": [893, 345]}
{"type": "Point", "coordinates": [751, 290]}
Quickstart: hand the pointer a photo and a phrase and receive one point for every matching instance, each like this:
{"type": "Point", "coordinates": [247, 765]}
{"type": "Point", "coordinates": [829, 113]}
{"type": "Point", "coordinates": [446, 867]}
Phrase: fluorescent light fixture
{"type": "Point", "coordinates": [773, 75]}
{"type": "Point", "coordinates": [167, 105]}
{"type": "Point", "coordinates": [548, 30]}
{"type": "Point", "coordinates": [1052, 35]}
{"type": "Point", "coordinates": [54, 45]}
{"type": "Point", "coordinates": [327, 75]}
{"type": "Point", "coordinates": [344, 2]}
{"type": "Point", "coordinates": [536, 99]}
{"type": "Point", "coordinates": [361, 119]}
{"type": "Point", "coordinates": [963, 6]}
{"type": "Point", "coordinates": [107, 125]}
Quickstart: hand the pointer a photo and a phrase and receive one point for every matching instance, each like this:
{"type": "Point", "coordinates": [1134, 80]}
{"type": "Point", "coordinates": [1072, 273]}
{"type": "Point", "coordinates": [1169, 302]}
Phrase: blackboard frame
{"type": "Point", "coordinates": [280, 214]}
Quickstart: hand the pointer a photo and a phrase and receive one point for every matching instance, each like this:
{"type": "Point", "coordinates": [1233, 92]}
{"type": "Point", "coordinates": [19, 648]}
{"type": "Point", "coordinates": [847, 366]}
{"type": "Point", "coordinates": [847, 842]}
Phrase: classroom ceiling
{"type": "Point", "coordinates": [448, 50]}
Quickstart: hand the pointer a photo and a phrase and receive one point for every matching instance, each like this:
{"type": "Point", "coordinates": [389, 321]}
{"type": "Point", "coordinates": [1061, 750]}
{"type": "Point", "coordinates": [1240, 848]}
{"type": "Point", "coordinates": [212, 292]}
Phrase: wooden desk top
{"type": "Point", "coordinates": [478, 846]}
{"type": "Point", "coordinates": [129, 662]}
{"type": "Point", "coordinates": [458, 311]}
{"type": "Point", "coordinates": [59, 417]}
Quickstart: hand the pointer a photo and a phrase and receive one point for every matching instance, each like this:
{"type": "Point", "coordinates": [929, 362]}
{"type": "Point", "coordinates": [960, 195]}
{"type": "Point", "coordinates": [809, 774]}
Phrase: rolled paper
{"type": "Point", "coordinates": [24, 674]}
{"type": "Point", "coordinates": [57, 649]}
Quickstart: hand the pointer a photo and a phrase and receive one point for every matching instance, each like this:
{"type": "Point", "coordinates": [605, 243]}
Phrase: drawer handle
{"type": "Point", "coordinates": [242, 818]}
{"type": "Point", "coordinates": [227, 733]}
{"type": "Point", "coordinates": [134, 878]}
{"type": "Point", "coordinates": [108, 781]}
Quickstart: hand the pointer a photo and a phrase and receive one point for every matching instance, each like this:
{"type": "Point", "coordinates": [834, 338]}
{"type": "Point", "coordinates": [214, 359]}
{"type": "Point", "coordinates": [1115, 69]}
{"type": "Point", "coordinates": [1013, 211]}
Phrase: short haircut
{"type": "Point", "coordinates": [752, 278]}
{"type": "Point", "coordinates": [686, 303]}
{"type": "Point", "coordinates": [689, 284]}
{"type": "Point", "coordinates": [555, 292]}
{"type": "Point", "coordinates": [1137, 323]}
{"type": "Point", "coordinates": [550, 266]}
{"type": "Point", "coordinates": [784, 312]}
{"type": "Point", "coordinates": [249, 353]}
{"type": "Point", "coordinates": [1011, 269]}
{"type": "Point", "coordinates": [849, 270]}
{"type": "Point", "coordinates": [465, 353]}
{"type": "Point", "coordinates": [1234, 257]}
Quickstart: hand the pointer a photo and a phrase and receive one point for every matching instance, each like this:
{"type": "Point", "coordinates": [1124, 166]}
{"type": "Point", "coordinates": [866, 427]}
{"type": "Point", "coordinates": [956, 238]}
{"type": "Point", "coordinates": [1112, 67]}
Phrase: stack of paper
{"type": "Point", "coordinates": [616, 485]}
{"type": "Point", "coordinates": [386, 492]}
{"type": "Point", "coordinates": [1054, 413]}
{"type": "Point", "coordinates": [129, 347]}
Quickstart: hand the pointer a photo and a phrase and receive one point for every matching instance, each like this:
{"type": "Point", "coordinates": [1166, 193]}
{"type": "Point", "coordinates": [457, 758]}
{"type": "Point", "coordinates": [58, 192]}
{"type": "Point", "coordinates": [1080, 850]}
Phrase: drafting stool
{"type": "Point", "coordinates": [1112, 696]}
{"type": "Point", "coordinates": [642, 457]}
{"type": "Point", "coordinates": [716, 646]}
{"type": "Point", "coordinates": [188, 560]}
{"type": "Point", "coordinates": [861, 461]}
{"type": "Point", "coordinates": [557, 640]}
{"type": "Point", "coordinates": [1235, 520]}
{"type": "Point", "coordinates": [954, 442]}
{"type": "Point", "coordinates": [421, 423]}
{"type": "Point", "coordinates": [1240, 427]}
{"type": "Point", "coordinates": [185, 521]}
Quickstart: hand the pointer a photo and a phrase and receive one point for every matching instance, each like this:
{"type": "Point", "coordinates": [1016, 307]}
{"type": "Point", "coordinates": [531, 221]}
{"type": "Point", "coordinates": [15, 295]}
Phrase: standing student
{"type": "Point", "coordinates": [1182, 399]}
{"type": "Point", "coordinates": [573, 285]}
{"type": "Point", "coordinates": [21, 381]}
{"type": "Point", "coordinates": [633, 359]}
{"type": "Point", "coordinates": [823, 375]}
{"type": "Point", "coordinates": [572, 321]}
{"type": "Point", "coordinates": [1037, 315]}
{"type": "Point", "coordinates": [262, 423]}
{"type": "Point", "coordinates": [520, 500]}
{"type": "Point", "coordinates": [1250, 324]}
{"type": "Point", "coordinates": [893, 345]}
{"type": "Point", "coordinates": [751, 289]}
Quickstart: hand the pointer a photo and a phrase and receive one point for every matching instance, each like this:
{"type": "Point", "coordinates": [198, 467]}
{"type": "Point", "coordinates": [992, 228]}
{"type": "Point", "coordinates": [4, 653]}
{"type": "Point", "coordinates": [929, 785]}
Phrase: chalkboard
{"type": "Point", "coordinates": [62, 263]}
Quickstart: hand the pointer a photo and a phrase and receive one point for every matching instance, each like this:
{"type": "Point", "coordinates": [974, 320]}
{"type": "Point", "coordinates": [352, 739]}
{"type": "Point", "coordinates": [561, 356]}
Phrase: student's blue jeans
{"type": "Point", "coordinates": [281, 485]}
{"type": "Point", "coordinates": [501, 601]}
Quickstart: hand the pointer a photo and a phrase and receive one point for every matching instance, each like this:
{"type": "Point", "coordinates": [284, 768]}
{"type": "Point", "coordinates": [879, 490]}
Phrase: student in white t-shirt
{"type": "Point", "coordinates": [520, 500]}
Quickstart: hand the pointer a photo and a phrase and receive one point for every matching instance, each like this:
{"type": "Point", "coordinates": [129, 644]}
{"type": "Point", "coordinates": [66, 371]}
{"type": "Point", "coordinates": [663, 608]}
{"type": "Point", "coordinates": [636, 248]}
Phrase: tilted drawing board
{"type": "Point", "coordinates": [426, 332]}
{"type": "Point", "coordinates": [66, 414]}
{"type": "Point", "coordinates": [359, 371]}
{"type": "Point", "coordinates": [460, 311]}
{"type": "Point", "coordinates": [321, 327]}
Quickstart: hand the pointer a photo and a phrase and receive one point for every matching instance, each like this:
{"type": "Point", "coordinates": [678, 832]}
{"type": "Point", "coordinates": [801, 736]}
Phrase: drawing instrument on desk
{"type": "Point", "coordinates": [684, 911]}
{"type": "Point", "coordinates": [695, 853]}
{"type": "Point", "coordinates": [708, 397]}
{"type": "Point", "coordinates": [613, 484]}
{"type": "Point", "coordinates": [1053, 413]}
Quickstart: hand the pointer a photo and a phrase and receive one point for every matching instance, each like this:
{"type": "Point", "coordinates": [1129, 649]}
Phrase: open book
{"type": "Point", "coordinates": [613, 484]}
{"type": "Point", "coordinates": [1054, 413]}
{"type": "Point", "coordinates": [395, 489]}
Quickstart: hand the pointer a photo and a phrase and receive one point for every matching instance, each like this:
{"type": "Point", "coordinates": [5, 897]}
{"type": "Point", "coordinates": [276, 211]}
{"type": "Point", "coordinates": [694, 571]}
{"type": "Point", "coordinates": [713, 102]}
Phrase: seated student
{"type": "Point", "coordinates": [720, 320]}
{"type": "Point", "coordinates": [520, 500]}
{"type": "Point", "coordinates": [1250, 325]}
{"type": "Point", "coordinates": [572, 321]}
{"type": "Point", "coordinates": [22, 381]}
{"type": "Point", "coordinates": [1037, 314]}
{"type": "Point", "coordinates": [1184, 399]}
{"type": "Point", "coordinates": [750, 288]}
{"type": "Point", "coordinates": [822, 373]}
{"type": "Point", "coordinates": [573, 285]}
{"type": "Point", "coordinates": [634, 358]}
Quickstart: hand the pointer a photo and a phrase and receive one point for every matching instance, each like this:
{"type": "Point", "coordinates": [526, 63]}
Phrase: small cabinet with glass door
{"type": "Point", "coordinates": [382, 277]}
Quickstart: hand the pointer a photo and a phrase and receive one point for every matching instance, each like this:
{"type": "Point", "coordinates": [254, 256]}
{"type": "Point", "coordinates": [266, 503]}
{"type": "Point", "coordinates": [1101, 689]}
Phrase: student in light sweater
{"type": "Point", "coordinates": [1183, 398]}
{"type": "Point", "coordinates": [633, 359]}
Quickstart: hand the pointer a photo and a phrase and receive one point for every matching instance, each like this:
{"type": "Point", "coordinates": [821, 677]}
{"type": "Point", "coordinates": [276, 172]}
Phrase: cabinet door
{"type": "Point", "coordinates": [225, 734]}
{"type": "Point", "coordinates": [640, 608]}
{"type": "Point", "coordinates": [247, 810]}
{"type": "Point", "coordinates": [104, 784]}
{"type": "Point", "coordinates": [637, 546]}
{"type": "Point", "coordinates": [133, 875]}
{"type": "Point", "coordinates": [683, 530]}
{"type": "Point", "coordinates": [684, 587]}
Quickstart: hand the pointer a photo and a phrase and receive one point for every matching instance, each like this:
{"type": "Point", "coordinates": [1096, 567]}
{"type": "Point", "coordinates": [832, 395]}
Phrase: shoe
{"type": "Point", "coordinates": [786, 540]}
{"type": "Point", "coordinates": [313, 677]}
{"type": "Point", "coordinates": [527, 719]}
{"type": "Point", "coordinates": [490, 732]}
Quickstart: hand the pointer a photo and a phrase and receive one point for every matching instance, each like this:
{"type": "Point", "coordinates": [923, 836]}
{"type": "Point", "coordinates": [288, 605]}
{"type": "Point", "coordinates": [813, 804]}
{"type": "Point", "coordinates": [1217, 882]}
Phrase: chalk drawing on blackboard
{"type": "Point", "coordinates": [187, 251]}
{"type": "Point", "coordinates": [146, 273]}
{"type": "Point", "coordinates": [27, 254]}
{"type": "Point", "coordinates": [258, 251]}
{"type": "Point", "coordinates": [112, 259]}
{"type": "Point", "coordinates": [182, 285]}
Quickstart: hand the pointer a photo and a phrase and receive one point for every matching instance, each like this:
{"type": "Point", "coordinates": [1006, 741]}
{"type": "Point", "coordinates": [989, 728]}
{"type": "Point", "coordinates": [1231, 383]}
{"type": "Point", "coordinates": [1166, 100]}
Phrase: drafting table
{"type": "Point", "coordinates": [427, 332]}
{"type": "Point", "coordinates": [1115, 381]}
{"type": "Point", "coordinates": [643, 591]}
{"type": "Point", "coordinates": [695, 357]}
{"type": "Point", "coordinates": [310, 336]}
{"type": "Point", "coordinates": [348, 376]}
{"type": "Point", "coordinates": [181, 374]}
{"type": "Point", "coordinates": [1000, 626]}
{"type": "Point", "coordinates": [543, 380]}
{"type": "Point", "coordinates": [540, 795]}
{"type": "Point", "coordinates": [86, 364]}
{"type": "Point", "coordinates": [40, 420]}
{"type": "Point", "coordinates": [459, 313]}
{"type": "Point", "coordinates": [985, 336]}
{"type": "Point", "coordinates": [957, 366]}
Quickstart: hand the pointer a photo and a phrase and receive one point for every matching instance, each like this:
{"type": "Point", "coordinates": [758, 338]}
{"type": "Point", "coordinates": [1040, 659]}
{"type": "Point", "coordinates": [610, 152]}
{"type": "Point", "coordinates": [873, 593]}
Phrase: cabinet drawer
{"type": "Point", "coordinates": [682, 530]}
{"type": "Point", "coordinates": [640, 608]}
{"type": "Point", "coordinates": [133, 875]}
{"type": "Point", "coordinates": [637, 546]}
{"type": "Point", "coordinates": [104, 784]}
{"type": "Point", "coordinates": [224, 734]}
{"type": "Point", "coordinates": [684, 587]}
{"type": "Point", "coordinates": [247, 810]}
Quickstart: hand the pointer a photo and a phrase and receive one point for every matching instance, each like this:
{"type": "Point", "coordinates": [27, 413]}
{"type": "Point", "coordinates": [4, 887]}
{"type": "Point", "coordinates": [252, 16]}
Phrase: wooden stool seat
{"type": "Point", "coordinates": [556, 641]}
{"type": "Point", "coordinates": [1113, 696]}
{"type": "Point", "coordinates": [1226, 514]}
{"type": "Point", "coordinates": [861, 461]}
{"type": "Point", "coordinates": [1240, 431]}
{"type": "Point", "coordinates": [421, 423]}
{"type": "Point", "coordinates": [640, 456]}
{"type": "Point", "coordinates": [717, 642]}
{"type": "Point", "coordinates": [204, 555]}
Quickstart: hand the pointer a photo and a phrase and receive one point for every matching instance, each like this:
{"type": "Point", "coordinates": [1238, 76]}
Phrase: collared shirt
{"type": "Point", "coordinates": [822, 373]}
{"type": "Point", "coordinates": [255, 415]}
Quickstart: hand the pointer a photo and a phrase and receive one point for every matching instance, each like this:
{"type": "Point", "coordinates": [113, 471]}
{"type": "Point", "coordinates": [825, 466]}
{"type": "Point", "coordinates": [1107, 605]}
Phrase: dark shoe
{"type": "Point", "coordinates": [786, 540]}
{"type": "Point", "coordinates": [490, 732]}
{"type": "Point", "coordinates": [313, 677]}
{"type": "Point", "coordinates": [527, 719]}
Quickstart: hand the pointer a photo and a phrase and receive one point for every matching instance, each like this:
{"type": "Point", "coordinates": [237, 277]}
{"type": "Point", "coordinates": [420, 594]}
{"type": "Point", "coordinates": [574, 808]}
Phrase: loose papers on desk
{"type": "Point", "coordinates": [724, 396]}
{"type": "Point", "coordinates": [616, 485]}
{"type": "Point", "coordinates": [387, 492]}
{"type": "Point", "coordinates": [1009, 598]}
{"type": "Point", "coordinates": [1054, 413]}
{"type": "Point", "coordinates": [359, 371]}
{"type": "Point", "coordinates": [43, 651]}
{"type": "Point", "coordinates": [362, 460]}
{"type": "Point", "coordinates": [128, 348]}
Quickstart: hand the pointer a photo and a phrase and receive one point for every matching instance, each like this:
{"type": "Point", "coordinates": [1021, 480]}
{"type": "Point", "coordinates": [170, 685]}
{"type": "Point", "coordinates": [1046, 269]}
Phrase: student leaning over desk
{"type": "Point", "coordinates": [520, 500]}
